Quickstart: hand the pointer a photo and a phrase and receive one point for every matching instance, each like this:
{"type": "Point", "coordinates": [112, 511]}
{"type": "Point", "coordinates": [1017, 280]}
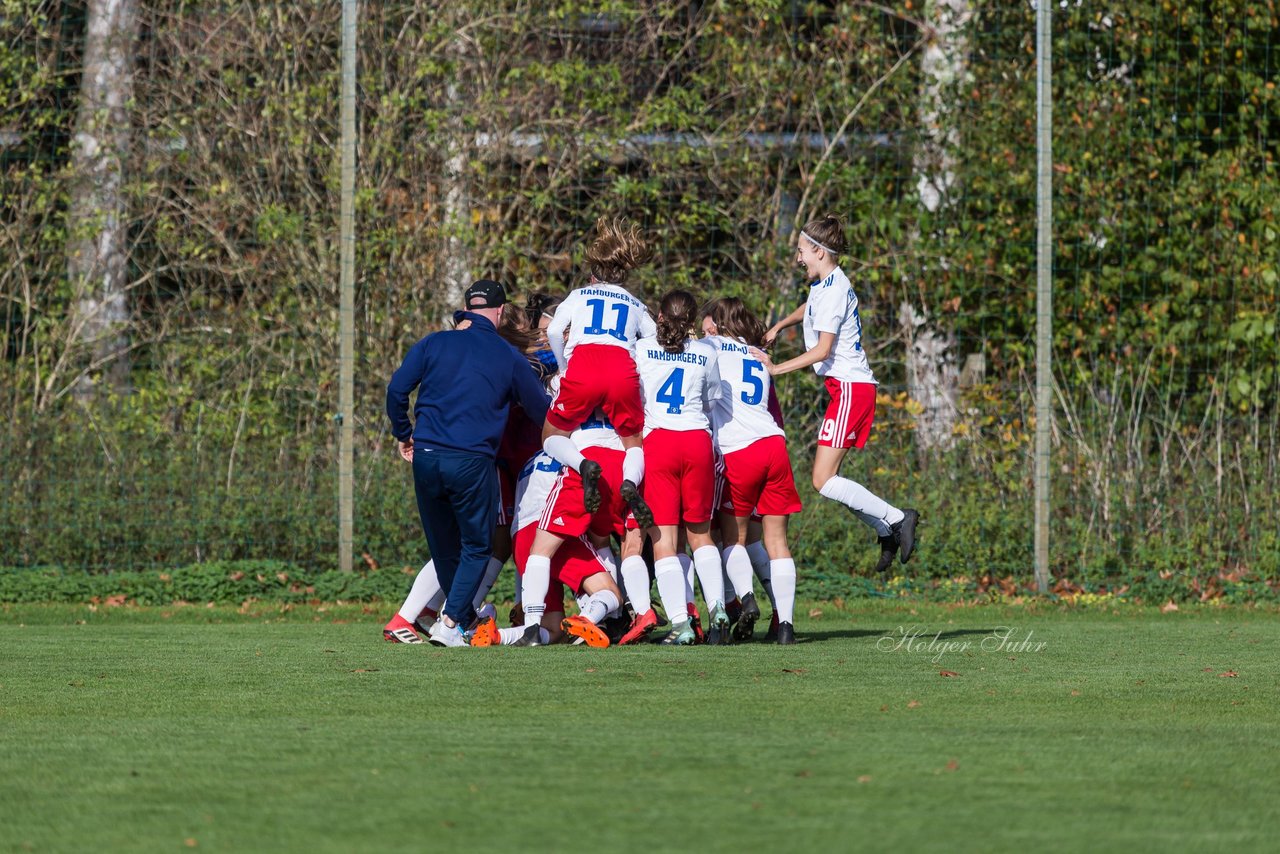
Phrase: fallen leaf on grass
{"type": "Point", "coordinates": [1168, 607]}
{"type": "Point", "coordinates": [952, 765]}
{"type": "Point", "coordinates": [1075, 693]}
{"type": "Point", "coordinates": [913, 704]}
{"type": "Point", "coordinates": [365, 670]}
{"type": "Point", "coordinates": [591, 670]}
{"type": "Point", "coordinates": [884, 708]}
{"type": "Point", "coordinates": [1230, 674]}
{"type": "Point", "coordinates": [805, 773]}
{"type": "Point", "coordinates": [796, 670]}
{"type": "Point", "coordinates": [815, 613]}
{"type": "Point", "coordinates": [947, 673]}
{"type": "Point", "coordinates": [865, 778]}
{"type": "Point", "coordinates": [190, 842]}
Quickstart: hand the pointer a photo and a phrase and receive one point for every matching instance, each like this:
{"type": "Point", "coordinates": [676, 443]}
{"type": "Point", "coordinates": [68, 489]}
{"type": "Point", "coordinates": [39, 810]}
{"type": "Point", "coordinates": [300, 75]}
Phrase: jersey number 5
{"type": "Point", "coordinates": [596, 327]}
{"type": "Point", "coordinates": [670, 393]}
{"type": "Point", "coordinates": [755, 393]}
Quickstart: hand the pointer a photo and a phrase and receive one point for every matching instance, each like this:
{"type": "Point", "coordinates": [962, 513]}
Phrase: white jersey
{"type": "Point", "coordinates": [741, 413]}
{"type": "Point", "coordinates": [532, 488]}
{"type": "Point", "coordinates": [598, 314]}
{"type": "Point", "coordinates": [677, 387]}
{"type": "Point", "coordinates": [833, 307]}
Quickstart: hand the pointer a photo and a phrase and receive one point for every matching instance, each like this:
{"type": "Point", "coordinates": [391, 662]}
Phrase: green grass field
{"type": "Point", "coordinates": [166, 729]}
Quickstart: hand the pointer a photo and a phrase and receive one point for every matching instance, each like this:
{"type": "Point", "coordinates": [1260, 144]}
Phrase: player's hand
{"type": "Point", "coordinates": [770, 337]}
{"type": "Point", "coordinates": [764, 360]}
{"type": "Point", "coordinates": [406, 450]}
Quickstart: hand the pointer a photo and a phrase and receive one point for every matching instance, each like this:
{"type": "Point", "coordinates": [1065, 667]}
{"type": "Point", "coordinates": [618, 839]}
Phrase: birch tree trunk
{"type": "Point", "coordinates": [455, 248]}
{"type": "Point", "coordinates": [97, 249]}
{"type": "Point", "coordinates": [932, 375]}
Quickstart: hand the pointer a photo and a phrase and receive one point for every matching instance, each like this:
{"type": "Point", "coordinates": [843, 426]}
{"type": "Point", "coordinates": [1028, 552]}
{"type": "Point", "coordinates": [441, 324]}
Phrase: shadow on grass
{"type": "Point", "coordinates": [923, 637]}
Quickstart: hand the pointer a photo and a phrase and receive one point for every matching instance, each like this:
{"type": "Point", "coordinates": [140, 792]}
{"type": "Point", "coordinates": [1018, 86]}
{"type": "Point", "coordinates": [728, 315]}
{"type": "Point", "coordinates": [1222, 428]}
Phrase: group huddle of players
{"type": "Point", "coordinates": [670, 445]}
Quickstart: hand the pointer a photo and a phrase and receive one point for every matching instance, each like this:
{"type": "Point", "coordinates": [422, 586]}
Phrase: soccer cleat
{"type": "Point", "coordinates": [444, 635]}
{"type": "Point", "coordinates": [486, 633]}
{"type": "Point", "coordinates": [641, 626]}
{"type": "Point", "coordinates": [888, 551]}
{"type": "Point", "coordinates": [772, 634]}
{"type": "Point", "coordinates": [786, 634]}
{"type": "Point", "coordinates": [906, 533]}
{"type": "Point", "coordinates": [615, 627]}
{"type": "Point", "coordinates": [400, 630]}
{"type": "Point", "coordinates": [532, 636]}
{"type": "Point", "coordinates": [631, 494]}
{"type": "Point", "coordinates": [580, 627]}
{"type": "Point", "coordinates": [695, 622]}
{"type": "Point", "coordinates": [681, 634]}
{"type": "Point", "coordinates": [717, 626]}
{"type": "Point", "coordinates": [590, 472]}
{"type": "Point", "coordinates": [745, 627]}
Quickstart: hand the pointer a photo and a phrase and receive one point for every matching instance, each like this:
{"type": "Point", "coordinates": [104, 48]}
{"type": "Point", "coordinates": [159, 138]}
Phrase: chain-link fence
{"type": "Point", "coordinates": [170, 264]}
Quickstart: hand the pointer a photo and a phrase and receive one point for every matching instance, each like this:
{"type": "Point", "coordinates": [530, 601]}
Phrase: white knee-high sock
{"type": "Point", "coordinates": [425, 586]}
{"type": "Point", "coordinates": [491, 571]}
{"type": "Point", "coordinates": [760, 563]}
{"type": "Point", "coordinates": [635, 580]}
{"type": "Point", "coordinates": [670, 579]}
{"type": "Point", "coordinates": [686, 566]}
{"type": "Point", "coordinates": [600, 605]}
{"type": "Point", "coordinates": [564, 451]}
{"type": "Point", "coordinates": [633, 465]}
{"type": "Point", "coordinates": [710, 575]}
{"type": "Point", "coordinates": [784, 587]}
{"type": "Point", "coordinates": [534, 587]}
{"type": "Point", "coordinates": [866, 505]}
{"type": "Point", "coordinates": [737, 565]}
{"type": "Point", "coordinates": [513, 634]}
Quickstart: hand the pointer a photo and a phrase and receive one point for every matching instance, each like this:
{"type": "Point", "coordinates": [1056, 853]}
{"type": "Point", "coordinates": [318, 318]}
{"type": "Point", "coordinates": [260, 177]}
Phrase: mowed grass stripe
{"type": "Point", "coordinates": [142, 732]}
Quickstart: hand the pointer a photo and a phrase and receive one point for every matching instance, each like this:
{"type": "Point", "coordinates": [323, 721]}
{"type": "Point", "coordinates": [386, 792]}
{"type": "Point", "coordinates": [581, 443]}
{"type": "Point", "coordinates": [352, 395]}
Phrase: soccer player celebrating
{"type": "Point", "coordinates": [603, 321]}
{"type": "Point", "coordinates": [833, 348]}
{"type": "Point", "coordinates": [757, 468]}
{"type": "Point", "coordinates": [679, 381]}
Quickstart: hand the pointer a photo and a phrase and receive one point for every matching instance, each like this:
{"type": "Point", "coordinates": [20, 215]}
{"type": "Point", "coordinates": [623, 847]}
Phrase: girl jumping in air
{"type": "Point", "coordinates": [833, 348]}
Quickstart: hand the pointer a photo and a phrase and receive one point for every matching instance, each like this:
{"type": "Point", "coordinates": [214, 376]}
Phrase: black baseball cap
{"type": "Point", "coordinates": [486, 293]}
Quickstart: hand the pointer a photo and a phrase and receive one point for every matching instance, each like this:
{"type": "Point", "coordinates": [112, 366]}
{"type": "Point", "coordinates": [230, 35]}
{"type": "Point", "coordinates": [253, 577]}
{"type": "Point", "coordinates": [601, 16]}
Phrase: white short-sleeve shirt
{"type": "Point", "coordinates": [741, 413]}
{"type": "Point", "coordinates": [598, 314]}
{"type": "Point", "coordinates": [833, 307]}
{"type": "Point", "coordinates": [677, 387]}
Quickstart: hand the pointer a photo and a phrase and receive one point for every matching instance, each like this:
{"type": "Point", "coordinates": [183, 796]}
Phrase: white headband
{"type": "Point", "coordinates": [809, 237]}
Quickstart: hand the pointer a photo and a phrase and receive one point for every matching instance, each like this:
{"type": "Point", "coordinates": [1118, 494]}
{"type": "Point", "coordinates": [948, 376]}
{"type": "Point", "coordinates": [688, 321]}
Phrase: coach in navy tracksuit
{"type": "Point", "coordinates": [465, 379]}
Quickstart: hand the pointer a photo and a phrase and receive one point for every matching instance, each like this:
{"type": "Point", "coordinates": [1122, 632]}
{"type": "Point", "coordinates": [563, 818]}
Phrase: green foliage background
{"type": "Point", "coordinates": [711, 122]}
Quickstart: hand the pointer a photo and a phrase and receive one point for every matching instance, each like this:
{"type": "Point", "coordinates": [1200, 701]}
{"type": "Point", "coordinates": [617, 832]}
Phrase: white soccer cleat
{"type": "Point", "coordinates": [442, 635]}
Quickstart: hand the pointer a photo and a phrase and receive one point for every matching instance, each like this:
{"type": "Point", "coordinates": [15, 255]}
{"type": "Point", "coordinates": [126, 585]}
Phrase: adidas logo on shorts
{"type": "Point", "coordinates": [559, 520]}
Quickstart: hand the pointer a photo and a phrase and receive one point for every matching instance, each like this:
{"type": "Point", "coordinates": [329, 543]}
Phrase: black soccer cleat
{"type": "Point", "coordinates": [631, 494]}
{"type": "Point", "coordinates": [786, 634]}
{"type": "Point", "coordinates": [905, 531]}
{"type": "Point", "coordinates": [590, 472]}
{"type": "Point", "coordinates": [888, 551]}
{"type": "Point", "coordinates": [532, 636]}
{"type": "Point", "coordinates": [745, 627]}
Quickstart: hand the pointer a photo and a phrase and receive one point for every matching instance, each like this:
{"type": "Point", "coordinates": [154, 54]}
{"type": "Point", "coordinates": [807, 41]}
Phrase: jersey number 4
{"type": "Point", "coordinates": [670, 393]}
{"type": "Point", "coordinates": [596, 327]}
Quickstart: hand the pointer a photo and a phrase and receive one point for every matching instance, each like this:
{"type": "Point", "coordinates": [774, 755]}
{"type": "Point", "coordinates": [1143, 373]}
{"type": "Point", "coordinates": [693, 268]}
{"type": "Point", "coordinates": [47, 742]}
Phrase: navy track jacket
{"type": "Point", "coordinates": [466, 380]}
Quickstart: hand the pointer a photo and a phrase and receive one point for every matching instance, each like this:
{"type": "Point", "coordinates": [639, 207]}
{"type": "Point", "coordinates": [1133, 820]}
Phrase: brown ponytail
{"type": "Point", "coordinates": [828, 231]}
{"type": "Point", "coordinates": [675, 320]}
{"type": "Point", "coordinates": [616, 248]}
{"type": "Point", "coordinates": [734, 320]}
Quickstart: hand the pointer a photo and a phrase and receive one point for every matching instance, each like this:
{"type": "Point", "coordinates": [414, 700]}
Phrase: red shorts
{"type": "Point", "coordinates": [599, 376]}
{"type": "Point", "coordinates": [847, 421]}
{"type": "Point", "coordinates": [759, 476]}
{"type": "Point", "coordinates": [574, 563]}
{"type": "Point", "coordinates": [679, 476]}
{"type": "Point", "coordinates": [565, 513]}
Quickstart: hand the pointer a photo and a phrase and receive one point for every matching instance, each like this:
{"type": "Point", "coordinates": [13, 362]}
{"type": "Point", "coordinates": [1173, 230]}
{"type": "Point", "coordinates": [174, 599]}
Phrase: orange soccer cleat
{"type": "Point", "coordinates": [486, 633]}
{"type": "Point", "coordinates": [641, 626]}
{"type": "Point", "coordinates": [580, 627]}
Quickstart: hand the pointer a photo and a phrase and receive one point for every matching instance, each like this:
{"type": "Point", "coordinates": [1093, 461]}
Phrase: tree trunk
{"type": "Point", "coordinates": [97, 249]}
{"type": "Point", "coordinates": [455, 249]}
{"type": "Point", "coordinates": [932, 376]}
